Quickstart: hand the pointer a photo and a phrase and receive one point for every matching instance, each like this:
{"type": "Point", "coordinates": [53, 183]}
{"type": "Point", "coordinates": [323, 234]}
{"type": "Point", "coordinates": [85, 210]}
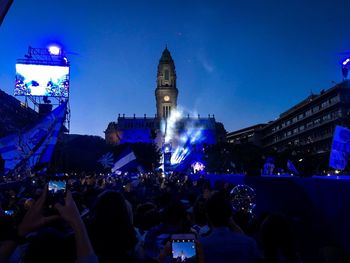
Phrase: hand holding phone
{"type": "Point", "coordinates": [35, 218]}
{"type": "Point", "coordinates": [57, 189]}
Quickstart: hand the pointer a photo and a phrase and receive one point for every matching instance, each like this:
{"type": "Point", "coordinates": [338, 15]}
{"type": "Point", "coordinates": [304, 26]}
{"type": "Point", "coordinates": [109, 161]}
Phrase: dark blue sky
{"type": "Point", "coordinates": [244, 61]}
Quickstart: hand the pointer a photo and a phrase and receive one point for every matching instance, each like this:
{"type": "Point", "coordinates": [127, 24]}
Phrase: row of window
{"type": "Point", "coordinates": [179, 126]}
{"type": "Point", "coordinates": [313, 137]}
{"type": "Point", "coordinates": [131, 125]}
{"type": "Point", "coordinates": [166, 111]}
{"type": "Point", "coordinates": [243, 138]}
{"type": "Point", "coordinates": [308, 112]}
{"type": "Point", "coordinates": [312, 123]}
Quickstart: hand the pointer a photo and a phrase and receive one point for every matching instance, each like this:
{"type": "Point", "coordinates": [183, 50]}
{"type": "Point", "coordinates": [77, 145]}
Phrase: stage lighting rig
{"type": "Point", "coordinates": [345, 68]}
{"type": "Point", "coordinates": [54, 50]}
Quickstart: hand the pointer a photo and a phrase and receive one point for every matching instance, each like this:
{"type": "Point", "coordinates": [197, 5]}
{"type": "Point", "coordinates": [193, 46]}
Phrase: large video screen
{"type": "Point", "coordinates": [42, 80]}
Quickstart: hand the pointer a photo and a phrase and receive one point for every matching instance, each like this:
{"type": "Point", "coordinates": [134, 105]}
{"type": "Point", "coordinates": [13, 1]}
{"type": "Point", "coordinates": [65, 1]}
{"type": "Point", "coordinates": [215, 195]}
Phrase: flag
{"type": "Point", "coordinates": [126, 161]}
{"type": "Point", "coordinates": [340, 151]}
{"type": "Point", "coordinates": [44, 153]}
{"type": "Point", "coordinates": [291, 167]}
{"type": "Point", "coordinates": [32, 146]}
{"type": "Point", "coordinates": [107, 160]}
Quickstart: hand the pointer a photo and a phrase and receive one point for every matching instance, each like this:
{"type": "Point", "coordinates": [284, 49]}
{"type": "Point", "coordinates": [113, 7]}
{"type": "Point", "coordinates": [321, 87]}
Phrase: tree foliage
{"type": "Point", "coordinates": [78, 153]}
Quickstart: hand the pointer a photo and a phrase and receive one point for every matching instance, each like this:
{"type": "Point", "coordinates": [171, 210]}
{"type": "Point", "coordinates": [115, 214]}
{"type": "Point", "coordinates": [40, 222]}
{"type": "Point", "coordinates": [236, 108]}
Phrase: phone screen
{"type": "Point", "coordinates": [57, 190]}
{"type": "Point", "coordinates": [57, 187]}
{"type": "Point", "coordinates": [183, 248]}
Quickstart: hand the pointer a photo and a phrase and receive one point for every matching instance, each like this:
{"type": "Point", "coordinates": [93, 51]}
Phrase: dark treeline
{"type": "Point", "coordinates": [78, 153]}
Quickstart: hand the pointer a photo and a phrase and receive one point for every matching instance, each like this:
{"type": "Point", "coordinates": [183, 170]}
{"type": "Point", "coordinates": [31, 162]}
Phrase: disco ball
{"type": "Point", "coordinates": [243, 199]}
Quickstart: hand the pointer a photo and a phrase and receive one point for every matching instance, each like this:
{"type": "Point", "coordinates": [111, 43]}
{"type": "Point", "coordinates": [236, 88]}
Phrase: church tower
{"type": "Point", "coordinates": [166, 91]}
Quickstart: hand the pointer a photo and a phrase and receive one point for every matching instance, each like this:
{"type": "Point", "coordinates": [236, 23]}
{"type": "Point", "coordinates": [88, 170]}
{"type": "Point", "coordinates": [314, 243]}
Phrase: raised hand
{"type": "Point", "coordinates": [34, 218]}
{"type": "Point", "coordinates": [69, 212]}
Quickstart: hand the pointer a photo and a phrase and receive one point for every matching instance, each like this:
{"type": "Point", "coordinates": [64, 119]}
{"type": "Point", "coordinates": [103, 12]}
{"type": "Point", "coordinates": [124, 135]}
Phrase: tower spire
{"type": "Point", "coordinates": [166, 91]}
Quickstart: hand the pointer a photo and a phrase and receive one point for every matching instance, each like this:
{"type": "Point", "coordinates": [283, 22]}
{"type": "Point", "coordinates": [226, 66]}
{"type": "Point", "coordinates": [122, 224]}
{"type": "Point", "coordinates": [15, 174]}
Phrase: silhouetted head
{"type": "Point", "coordinates": [219, 210]}
{"type": "Point", "coordinates": [112, 232]}
{"type": "Point", "coordinates": [174, 213]}
{"type": "Point", "coordinates": [277, 239]}
{"type": "Point", "coordinates": [199, 211]}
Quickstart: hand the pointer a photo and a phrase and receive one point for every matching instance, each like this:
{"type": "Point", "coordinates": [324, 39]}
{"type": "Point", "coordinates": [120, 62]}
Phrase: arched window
{"type": "Point", "coordinates": [166, 74]}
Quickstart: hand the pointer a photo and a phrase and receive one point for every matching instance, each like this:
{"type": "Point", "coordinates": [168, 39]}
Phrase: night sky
{"type": "Point", "coordinates": [244, 61]}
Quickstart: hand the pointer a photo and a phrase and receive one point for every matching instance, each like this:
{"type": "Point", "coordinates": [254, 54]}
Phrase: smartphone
{"type": "Point", "coordinates": [57, 189]}
{"type": "Point", "coordinates": [183, 248]}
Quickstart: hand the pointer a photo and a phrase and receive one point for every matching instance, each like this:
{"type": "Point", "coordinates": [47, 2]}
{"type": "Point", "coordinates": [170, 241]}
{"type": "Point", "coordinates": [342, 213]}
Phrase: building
{"type": "Point", "coordinates": [15, 115]}
{"type": "Point", "coordinates": [309, 124]}
{"type": "Point", "coordinates": [251, 135]}
{"type": "Point", "coordinates": [154, 129]}
{"type": "Point", "coordinates": [166, 91]}
{"type": "Point", "coordinates": [4, 8]}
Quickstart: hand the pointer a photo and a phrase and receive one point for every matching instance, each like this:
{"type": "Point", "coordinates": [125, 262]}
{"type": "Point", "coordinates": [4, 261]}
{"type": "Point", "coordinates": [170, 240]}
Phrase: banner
{"type": "Point", "coordinates": [35, 145]}
{"type": "Point", "coordinates": [340, 151]}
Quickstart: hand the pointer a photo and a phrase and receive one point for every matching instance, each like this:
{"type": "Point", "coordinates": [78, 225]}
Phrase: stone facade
{"type": "Point", "coordinates": [166, 91]}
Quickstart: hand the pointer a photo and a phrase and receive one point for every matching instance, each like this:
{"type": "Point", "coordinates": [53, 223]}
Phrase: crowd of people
{"type": "Point", "coordinates": [106, 218]}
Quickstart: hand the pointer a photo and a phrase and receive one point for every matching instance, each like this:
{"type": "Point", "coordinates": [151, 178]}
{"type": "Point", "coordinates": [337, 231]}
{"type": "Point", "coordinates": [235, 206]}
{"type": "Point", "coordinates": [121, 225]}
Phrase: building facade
{"type": "Point", "coordinates": [309, 124]}
{"type": "Point", "coordinates": [252, 135]}
{"type": "Point", "coordinates": [15, 115]}
{"type": "Point", "coordinates": [151, 129]}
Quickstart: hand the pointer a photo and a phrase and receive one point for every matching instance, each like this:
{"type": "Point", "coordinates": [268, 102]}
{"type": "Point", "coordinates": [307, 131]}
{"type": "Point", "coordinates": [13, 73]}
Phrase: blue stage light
{"type": "Point", "coordinates": [346, 61]}
{"type": "Point", "coordinates": [54, 50]}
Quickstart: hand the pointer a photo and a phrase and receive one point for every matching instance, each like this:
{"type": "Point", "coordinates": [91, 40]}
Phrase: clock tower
{"type": "Point", "coordinates": [166, 91]}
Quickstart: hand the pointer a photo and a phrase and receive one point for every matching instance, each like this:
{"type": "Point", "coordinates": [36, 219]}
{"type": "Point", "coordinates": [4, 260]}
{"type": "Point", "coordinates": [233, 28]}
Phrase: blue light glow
{"type": "Point", "coordinates": [346, 61]}
{"type": "Point", "coordinates": [184, 139]}
{"type": "Point", "coordinates": [54, 50]}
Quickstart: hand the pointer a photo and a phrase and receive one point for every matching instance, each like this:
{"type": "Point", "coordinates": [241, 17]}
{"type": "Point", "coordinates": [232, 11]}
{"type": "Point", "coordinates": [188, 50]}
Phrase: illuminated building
{"type": "Point", "coordinates": [153, 129]}
{"type": "Point", "coordinates": [309, 124]}
{"type": "Point", "coordinates": [166, 91]}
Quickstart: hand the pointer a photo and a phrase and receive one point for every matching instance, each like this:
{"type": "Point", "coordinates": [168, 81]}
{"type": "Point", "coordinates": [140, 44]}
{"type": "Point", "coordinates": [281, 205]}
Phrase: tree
{"type": "Point", "coordinates": [78, 153]}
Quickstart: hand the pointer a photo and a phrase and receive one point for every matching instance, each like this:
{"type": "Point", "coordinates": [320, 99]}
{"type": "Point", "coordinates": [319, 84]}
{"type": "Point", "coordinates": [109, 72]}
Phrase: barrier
{"type": "Point", "coordinates": [321, 204]}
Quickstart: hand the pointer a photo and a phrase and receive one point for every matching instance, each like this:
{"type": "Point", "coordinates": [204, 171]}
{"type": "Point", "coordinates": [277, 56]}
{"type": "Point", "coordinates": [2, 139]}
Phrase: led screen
{"type": "Point", "coordinates": [42, 80]}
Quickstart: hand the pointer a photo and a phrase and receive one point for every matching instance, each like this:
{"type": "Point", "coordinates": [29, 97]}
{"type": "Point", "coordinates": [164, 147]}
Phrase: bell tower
{"type": "Point", "coordinates": [166, 91]}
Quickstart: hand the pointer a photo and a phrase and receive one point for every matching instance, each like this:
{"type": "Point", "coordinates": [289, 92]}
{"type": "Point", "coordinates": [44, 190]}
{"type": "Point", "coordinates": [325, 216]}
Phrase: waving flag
{"type": "Point", "coordinates": [340, 151]}
{"type": "Point", "coordinates": [126, 161]}
{"type": "Point", "coordinates": [106, 160]}
{"type": "Point", "coordinates": [35, 145]}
